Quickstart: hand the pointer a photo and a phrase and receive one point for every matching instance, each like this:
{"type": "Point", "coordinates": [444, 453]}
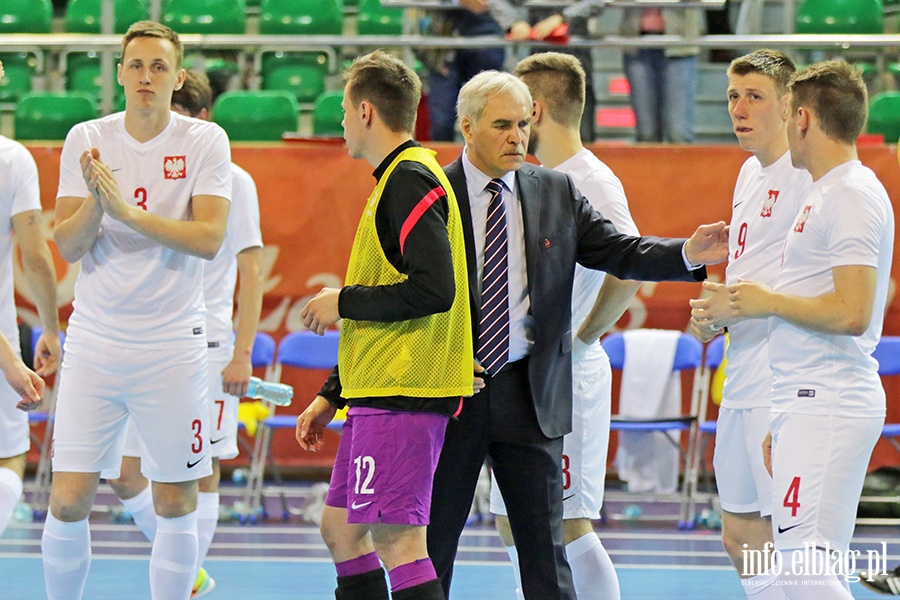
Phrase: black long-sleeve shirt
{"type": "Point", "coordinates": [415, 242]}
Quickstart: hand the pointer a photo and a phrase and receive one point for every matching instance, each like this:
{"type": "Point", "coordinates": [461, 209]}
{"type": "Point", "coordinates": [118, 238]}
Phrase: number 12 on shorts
{"type": "Point", "coordinates": [792, 497]}
{"type": "Point", "coordinates": [367, 464]}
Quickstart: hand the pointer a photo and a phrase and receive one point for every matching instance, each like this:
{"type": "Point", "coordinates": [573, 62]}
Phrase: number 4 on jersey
{"type": "Point", "coordinates": [792, 497]}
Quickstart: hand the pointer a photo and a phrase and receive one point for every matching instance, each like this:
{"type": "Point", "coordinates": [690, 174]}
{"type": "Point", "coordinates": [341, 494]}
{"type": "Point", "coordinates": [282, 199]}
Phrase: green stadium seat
{"type": "Point", "coordinates": [301, 17]}
{"type": "Point", "coordinates": [19, 69]}
{"type": "Point", "coordinates": [50, 115]}
{"type": "Point", "coordinates": [26, 16]}
{"type": "Point", "coordinates": [83, 74]}
{"type": "Point", "coordinates": [884, 116]}
{"type": "Point", "coordinates": [305, 81]}
{"type": "Point", "coordinates": [839, 16]}
{"type": "Point", "coordinates": [373, 19]}
{"type": "Point", "coordinates": [328, 114]}
{"type": "Point", "coordinates": [84, 16]}
{"type": "Point", "coordinates": [256, 116]}
{"type": "Point", "coordinates": [206, 16]}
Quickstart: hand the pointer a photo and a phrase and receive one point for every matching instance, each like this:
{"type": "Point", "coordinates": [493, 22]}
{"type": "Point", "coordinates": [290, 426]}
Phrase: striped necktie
{"type": "Point", "coordinates": [493, 331]}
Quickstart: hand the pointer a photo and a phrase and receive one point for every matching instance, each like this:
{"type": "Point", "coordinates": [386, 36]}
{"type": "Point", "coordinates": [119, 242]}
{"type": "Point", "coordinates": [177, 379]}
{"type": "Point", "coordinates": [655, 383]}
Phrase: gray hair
{"type": "Point", "coordinates": [475, 94]}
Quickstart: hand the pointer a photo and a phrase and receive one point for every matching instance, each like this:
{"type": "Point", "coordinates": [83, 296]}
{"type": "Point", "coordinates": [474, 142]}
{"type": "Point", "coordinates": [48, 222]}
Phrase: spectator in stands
{"type": "Point", "coordinates": [663, 80]}
{"type": "Point", "coordinates": [450, 69]}
{"type": "Point", "coordinates": [524, 23]}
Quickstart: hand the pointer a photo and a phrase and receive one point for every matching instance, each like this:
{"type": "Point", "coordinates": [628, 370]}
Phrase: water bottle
{"type": "Point", "coordinates": [279, 394]}
{"type": "Point", "coordinates": [22, 512]}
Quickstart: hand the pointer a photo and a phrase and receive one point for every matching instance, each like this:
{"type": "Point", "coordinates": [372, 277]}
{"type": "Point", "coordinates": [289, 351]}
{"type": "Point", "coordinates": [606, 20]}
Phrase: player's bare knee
{"type": "Point", "coordinates": [127, 488]}
{"type": "Point", "coordinates": [70, 505]}
{"type": "Point", "coordinates": [171, 500]}
{"type": "Point", "coordinates": [16, 464]}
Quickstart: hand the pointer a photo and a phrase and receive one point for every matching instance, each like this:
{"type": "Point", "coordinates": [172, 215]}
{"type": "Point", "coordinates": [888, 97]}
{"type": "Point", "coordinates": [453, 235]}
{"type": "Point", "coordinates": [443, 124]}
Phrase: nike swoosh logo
{"type": "Point", "coordinates": [191, 465]}
{"type": "Point", "coordinates": [780, 530]}
{"type": "Point", "coordinates": [217, 441]}
{"type": "Point", "coordinates": [356, 506]}
{"type": "Point", "coordinates": [568, 497]}
{"type": "Point", "coordinates": [114, 170]}
{"type": "Point", "coordinates": [738, 204]}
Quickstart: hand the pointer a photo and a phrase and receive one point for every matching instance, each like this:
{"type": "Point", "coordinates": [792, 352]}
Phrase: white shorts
{"type": "Point", "coordinates": [819, 463]}
{"type": "Point", "coordinates": [223, 422]}
{"type": "Point", "coordinates": [585, 448]}
{"type": "Point", "coordinates": [15, 437]}
{"type": "Point", "coordinates": [223, 414]}
{"type": "Point", "coordinates": [164, 392]}
{"type": "Point", "coordinates": [741, 477]}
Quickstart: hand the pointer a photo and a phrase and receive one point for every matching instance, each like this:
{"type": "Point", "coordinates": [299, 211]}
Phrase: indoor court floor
{"type": "Point", "coordinates": [278, 559]}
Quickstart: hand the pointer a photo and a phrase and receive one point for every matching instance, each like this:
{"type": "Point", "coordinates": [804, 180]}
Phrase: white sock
{"type": "Point", "coordinates": [173, 557]}
{"type": "Point", "coordinates": [514, 557]}
{"type": "Point", "coordinates": [141, 509]}
{"type": "Point", "coordinates": [10, 492]}
{"type": "Point", "coordinates": [763, 587]}
{"type": "Point", "coordinates": [207, 519]}
{"type": "Point", "coordinates": [592, 570]}
{"type": "Point", "coordinates": [66, 551]}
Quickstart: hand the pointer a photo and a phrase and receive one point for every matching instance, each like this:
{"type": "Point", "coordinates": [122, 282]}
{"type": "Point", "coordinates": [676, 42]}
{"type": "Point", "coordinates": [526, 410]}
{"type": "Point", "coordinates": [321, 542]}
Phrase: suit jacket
{"type": "Point", "coordinates": [561, 228]}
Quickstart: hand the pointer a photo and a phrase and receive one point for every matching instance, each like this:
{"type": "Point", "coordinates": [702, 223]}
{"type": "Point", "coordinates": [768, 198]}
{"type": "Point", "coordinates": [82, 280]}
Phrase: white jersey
{"type": "Point", "coordinates": [847, 219]}
{"type": "Point", "coordinates": [600, 186]}
{"type": "Point", "coordinates": [766, 202]}
{"type": "Point", "coordinates": [19, 192]}
{"type": "Point", "coordinates": [220, 274]}
{"type": "Point", "coordinates": [132, 290]}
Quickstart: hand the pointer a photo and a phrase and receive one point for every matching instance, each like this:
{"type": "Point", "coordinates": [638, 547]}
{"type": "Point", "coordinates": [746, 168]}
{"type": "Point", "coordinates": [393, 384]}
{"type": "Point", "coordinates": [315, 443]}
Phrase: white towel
{"type": "Point", "coordinates": [646, 461]}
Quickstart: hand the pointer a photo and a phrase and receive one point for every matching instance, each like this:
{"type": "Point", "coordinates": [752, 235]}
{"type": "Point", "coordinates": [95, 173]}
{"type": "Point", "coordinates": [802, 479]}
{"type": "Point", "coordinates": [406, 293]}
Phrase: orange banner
{"type": "Point", "coordinates": [311, 195]}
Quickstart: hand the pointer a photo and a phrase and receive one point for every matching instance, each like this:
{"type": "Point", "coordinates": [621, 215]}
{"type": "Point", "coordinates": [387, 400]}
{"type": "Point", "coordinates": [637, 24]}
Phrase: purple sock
{"type": "Point", "coordinates": [360, 564]}
{"type": "Point", "coordinates": [410, 574]}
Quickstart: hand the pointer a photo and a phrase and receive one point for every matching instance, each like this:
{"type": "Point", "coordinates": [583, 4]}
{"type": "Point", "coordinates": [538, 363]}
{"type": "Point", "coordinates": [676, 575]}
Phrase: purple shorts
{"type": "Point", "coordinates": [384, 468]}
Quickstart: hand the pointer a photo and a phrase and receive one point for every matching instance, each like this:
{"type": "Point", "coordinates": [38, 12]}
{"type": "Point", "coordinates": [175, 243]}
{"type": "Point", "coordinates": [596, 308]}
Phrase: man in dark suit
{"type": "Point", "coordinates": [520, 416]}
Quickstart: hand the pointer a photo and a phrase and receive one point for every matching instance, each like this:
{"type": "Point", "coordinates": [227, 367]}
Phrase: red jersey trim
{"type": "Point", "coordinates": [417, 212]}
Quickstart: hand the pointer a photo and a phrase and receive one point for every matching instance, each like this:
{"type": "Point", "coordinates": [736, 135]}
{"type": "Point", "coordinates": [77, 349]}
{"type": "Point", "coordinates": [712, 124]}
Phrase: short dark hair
{"type": "Point", "coordinates": [154, 30]}
{"type": "Point", "coordinates": [195, 94]}
{"type": "Point", "coordinates": [835, 92]}
{"type": "Point", "coordinates": [772, 63]}
{"type": "Point", "coordinates": [558, 80]}
{"type": "Point", "coordinates": [389, 85]}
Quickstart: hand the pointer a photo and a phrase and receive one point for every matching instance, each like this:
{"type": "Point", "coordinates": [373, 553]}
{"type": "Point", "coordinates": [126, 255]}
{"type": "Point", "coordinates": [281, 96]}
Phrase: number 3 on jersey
{"type": "Point", "coordinates": [140, 194]}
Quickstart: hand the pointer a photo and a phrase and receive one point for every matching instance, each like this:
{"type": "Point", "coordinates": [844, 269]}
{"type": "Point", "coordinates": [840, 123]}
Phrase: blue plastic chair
{"type": "Point", "coordinates": [300, 350]}
{"type": "Point", "coordinates": [263, 353]}
{"type": "Point", "coordinates": [887, 353]}
{"type": "Point", "coordinates": [688, 356]}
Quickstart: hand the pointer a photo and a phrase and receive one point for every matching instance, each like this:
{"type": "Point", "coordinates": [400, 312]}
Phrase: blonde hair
{"type": "Point", "coordinates": [152, 29]}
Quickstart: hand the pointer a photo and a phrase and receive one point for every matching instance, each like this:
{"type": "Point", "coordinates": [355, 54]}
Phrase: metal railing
{"type": "Point", "coordinates": [878, 46]}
